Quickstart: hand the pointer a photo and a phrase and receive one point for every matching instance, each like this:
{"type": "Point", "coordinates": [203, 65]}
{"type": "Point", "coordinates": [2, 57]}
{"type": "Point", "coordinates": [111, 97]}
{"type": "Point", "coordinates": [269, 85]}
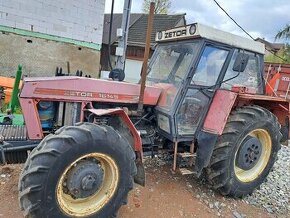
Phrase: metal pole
{"type": "Point", "coordinates": [146, 57]}
{"type": "Point", "coordinates": [14, 102]}
{"type": "Point", "coordinates": [175, 156]}
{"type": "Point", "coordinates": [122, 44]}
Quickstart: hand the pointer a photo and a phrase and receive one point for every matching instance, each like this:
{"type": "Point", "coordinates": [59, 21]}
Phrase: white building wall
{"type": "Point", "coordinates": [76, 19]}
{"type": "Point", "coordinates": [133, 70]}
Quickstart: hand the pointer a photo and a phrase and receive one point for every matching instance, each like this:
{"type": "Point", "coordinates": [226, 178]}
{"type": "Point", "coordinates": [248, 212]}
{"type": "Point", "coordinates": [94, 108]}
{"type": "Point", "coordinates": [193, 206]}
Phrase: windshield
{"type": "Point", "coordinates": [169, 67]}
{"type": "Point", "coordinates": [171, 63]}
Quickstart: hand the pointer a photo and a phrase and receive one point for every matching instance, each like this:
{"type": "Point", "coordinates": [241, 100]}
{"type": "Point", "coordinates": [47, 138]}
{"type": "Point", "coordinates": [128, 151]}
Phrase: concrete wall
{"type": "Point", "coordinates": [45, 34]}
{"type": "Point", "coordinates": [40, 57]}
{"type": "Point", "coordinates": [75, 19]}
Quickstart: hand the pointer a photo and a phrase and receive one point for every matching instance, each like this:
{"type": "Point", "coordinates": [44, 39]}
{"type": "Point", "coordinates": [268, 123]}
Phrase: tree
{"type": "Point", "coordinates": [161, 6]}
{"type": "Point", "coordinates": [284, 33]}
{"type": "Point", "coordinates": [285, 52]}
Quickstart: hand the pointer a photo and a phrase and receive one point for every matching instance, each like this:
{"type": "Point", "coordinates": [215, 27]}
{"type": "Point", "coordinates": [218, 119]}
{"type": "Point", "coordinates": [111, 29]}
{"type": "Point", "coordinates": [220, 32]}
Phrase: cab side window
{"type": "Point", "coordinates": [248, 78]}
{"type": "Point", "coordinates": [209, 66]}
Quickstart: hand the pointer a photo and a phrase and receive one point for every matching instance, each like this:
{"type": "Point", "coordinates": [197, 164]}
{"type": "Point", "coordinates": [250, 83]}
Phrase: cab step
{"type": "Point", "coordinates": [186, 155]}
{"type": "Point", "coordinates": [185, 171]}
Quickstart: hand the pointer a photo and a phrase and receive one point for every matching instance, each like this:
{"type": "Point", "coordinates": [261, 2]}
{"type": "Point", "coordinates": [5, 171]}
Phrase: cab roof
{"type": "Point", "coordinates": [198, 30]}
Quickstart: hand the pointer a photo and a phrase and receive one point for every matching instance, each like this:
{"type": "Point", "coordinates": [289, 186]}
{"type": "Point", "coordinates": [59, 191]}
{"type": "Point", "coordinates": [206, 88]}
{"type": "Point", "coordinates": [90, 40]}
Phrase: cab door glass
{"type": "Point", "coordinates": [209, 66]}
{"type": "Point", "coordinates": [191, 111]}
{"type": "Point", "coordinates": [248, 78]}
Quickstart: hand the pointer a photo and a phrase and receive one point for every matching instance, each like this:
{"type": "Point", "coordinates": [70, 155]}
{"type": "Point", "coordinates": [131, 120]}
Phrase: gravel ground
{"type": "Point", "coordinates": [166, 195]}
{"type": "Point", "coordinates": [271, 200]}
{"type": "Point", "coordinates": [274, 194]}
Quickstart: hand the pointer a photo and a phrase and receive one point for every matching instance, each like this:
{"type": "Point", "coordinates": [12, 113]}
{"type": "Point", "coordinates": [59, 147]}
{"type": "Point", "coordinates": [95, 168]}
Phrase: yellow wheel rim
{"type": "Point", "coordinates": [250, 175]}
{"type": "Point", "coordinates": [82, 207]}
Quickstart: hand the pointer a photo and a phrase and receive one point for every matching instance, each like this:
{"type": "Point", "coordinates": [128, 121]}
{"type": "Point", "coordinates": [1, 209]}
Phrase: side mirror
{"type": "Point", "coordinates": [241, 62]}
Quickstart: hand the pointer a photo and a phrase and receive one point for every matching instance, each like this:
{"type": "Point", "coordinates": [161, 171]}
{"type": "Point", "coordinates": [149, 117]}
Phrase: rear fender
{"type": "Point", "coordinates": [121, 122]}
{"type": "Point", "coordinates": [219, 111]}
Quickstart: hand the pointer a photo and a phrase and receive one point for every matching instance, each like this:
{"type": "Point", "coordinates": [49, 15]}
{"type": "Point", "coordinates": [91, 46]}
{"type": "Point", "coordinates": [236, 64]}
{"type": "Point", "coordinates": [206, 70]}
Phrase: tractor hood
{"type": "Point", "coordinates": [79, 89]}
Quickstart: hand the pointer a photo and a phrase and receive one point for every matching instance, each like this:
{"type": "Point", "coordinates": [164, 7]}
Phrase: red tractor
{"type": "Point", "coordinates": [204, 99]}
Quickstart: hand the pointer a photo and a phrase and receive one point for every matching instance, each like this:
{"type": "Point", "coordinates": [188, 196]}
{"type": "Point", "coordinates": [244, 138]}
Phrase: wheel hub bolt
{"type": "Point", "coordinates": [88, 182]}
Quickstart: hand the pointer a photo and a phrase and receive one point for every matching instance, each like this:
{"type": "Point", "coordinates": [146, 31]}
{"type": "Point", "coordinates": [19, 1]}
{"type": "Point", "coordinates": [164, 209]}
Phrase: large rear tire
{"type": "Point", "coordinates": [245, 152]}
{"type": "Point", "coordinates": [82, 171]}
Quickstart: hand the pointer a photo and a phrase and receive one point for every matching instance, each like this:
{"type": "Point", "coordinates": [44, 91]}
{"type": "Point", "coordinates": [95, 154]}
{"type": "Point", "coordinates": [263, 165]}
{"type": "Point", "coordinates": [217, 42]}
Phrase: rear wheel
{"type": "Point", "coordinates": [82, 171]}
{"type": "Point", "coordinates": [245, 152]}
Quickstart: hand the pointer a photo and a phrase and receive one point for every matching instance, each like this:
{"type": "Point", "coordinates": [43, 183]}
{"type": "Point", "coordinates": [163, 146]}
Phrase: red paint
{"type": "Point", "coordinates": [243, 89]}
{"type": "Point", "coordinates": [277, 105]}
{"type": "Point", "coordinates": [126, 119]}
{"type": "Point", "coordinates": [271, 84]}
{"type": "Point", "coordinates": [31, 118]}
{"type": "Point", "coordinates": [219, 111]}
{"type": "Point", "coordinates": [83, 94]}
{"type": "Point", "coordinates": [261, 98]}
{"type": "Point", "coordinates": [167, 96]}
{"type": "Point", "coordinates": [278, 79]}
{"type": "Point", "coordinates": [78, 89]}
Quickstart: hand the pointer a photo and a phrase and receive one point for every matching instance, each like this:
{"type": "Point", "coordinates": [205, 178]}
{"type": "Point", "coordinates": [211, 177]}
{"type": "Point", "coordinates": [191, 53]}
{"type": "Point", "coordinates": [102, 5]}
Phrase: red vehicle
{"type": "Point", "coordinates": [204, 99]}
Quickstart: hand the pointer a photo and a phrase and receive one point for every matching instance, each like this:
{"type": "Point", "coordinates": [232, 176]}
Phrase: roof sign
{"type": "Point", "coordinates": [203, 31]}
{"type": "Point", "coordinates": [176, 33]}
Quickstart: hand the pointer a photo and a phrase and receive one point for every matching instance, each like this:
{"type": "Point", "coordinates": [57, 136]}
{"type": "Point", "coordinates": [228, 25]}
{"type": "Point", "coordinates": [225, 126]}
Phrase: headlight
{"type": "Point", "coordinates": [163, 123]}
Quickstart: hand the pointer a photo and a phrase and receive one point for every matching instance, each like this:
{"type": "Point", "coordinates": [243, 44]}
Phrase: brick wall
{"type": "Point", "coordinates": [76, 19]}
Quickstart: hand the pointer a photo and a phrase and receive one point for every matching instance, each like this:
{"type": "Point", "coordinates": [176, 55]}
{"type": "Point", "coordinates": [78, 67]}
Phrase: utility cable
{"type": "Point", "coordinates": [244, 29]}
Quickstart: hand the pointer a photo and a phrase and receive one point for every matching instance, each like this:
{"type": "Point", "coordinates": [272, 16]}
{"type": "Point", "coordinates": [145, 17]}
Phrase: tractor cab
{"type": "Point", "coordinates": [189, 64]}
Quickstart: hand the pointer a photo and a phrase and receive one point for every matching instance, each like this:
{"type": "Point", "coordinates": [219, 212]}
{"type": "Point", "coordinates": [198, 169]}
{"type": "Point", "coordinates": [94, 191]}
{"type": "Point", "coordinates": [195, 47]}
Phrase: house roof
{"type": "Point", "coordinates": [137, 32]}
{"type": "Point", "coordinates": [271, 46]}
{"type": "Point", "coordinates": [138, 26]}
{"type": "Point", "coordinates": [117, 22]}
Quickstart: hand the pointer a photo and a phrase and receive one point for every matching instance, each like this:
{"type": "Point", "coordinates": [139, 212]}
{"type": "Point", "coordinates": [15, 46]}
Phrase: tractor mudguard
{"type": "Point", "coordinates": [206, 142]}
{"type": "Point", "coordinates": [122, 123]}
{"type": "Point", "coordinates": [219, 111]}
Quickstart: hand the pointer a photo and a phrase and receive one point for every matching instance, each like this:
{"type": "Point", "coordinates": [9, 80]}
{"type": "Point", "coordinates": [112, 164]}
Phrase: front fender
{"type": "Point", "coordinates": [213, 126]}
{"type": "Point", "coordinates": [206, 142]}
{"type": "Point", "coordinates": [127, 130]}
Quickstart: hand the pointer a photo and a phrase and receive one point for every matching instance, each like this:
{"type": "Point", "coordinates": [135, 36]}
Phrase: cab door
{"type": "Point", "coordinates": [200, 89]}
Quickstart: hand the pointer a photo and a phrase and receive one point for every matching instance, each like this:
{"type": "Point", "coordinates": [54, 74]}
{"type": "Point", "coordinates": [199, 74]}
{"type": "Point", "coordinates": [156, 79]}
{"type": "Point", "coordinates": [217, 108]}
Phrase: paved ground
{"type": "Point", "coordinates": [166, 195]}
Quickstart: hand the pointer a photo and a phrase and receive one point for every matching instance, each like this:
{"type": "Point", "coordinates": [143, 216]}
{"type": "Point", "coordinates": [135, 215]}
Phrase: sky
{"type": "Point", "coordinates": [261, 18]}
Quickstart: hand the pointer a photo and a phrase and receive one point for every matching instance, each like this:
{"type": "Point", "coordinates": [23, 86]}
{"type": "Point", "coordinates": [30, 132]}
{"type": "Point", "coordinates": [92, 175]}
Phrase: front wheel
{"type": "Point", "coordinates": [81, 171]}
{"type": "Point", "coordinates": [245, 152]}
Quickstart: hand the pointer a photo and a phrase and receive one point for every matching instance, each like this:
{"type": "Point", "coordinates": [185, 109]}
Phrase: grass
{"type": "Point", "coordinates": [18, 117]}
{"type": "Point", "coordinates": [17, 120]}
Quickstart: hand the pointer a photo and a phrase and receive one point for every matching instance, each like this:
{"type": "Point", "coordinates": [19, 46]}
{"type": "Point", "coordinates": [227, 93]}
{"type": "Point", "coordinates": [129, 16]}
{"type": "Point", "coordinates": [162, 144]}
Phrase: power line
{"type": "Point", "coordinates": [233, 19]}
{"type": "Point", "coordinates": [244, 29]}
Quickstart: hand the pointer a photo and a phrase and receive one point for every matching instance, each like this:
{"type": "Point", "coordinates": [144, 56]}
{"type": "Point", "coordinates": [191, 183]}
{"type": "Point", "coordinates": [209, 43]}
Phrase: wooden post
{"type": "Point", "coordinates": [146, 57]}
